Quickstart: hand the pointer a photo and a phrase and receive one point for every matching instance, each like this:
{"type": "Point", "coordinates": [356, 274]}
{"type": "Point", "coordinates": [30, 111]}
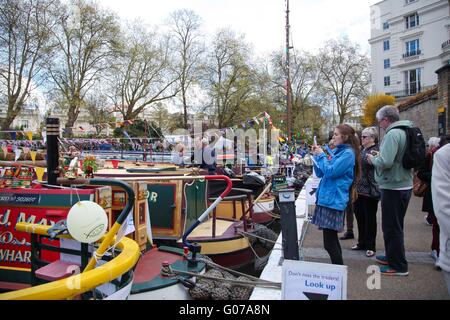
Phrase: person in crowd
{"type": "Point", "coordinates": [366, 205]}
{"type": "Point", "coordinates": [350, 209]}
{"type": "Point", "coordinates": [205, 156]}
{"type": "Point", "coordinates": [444, 140]}
{"type": "Point", "coordinates": [395, 183]}
{"type": "Point", "coordinates": [178, 154]}
{"type": "Point", "coordinates": [424, 174]}
{"type": "Point", "coordinates": [349, 212]}
{"type": "Point", "coordinates": [440, 184]}
{"type": "Point", "coordinates": [334, 192]}
{"type": "Point", "coordinates": [73, 152]}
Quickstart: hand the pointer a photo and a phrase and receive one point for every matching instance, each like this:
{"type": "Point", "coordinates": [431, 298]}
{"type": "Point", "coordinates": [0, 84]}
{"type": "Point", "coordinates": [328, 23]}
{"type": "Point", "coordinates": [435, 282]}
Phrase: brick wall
{"type": "Point", "coordinates": [424, 116]}
{"type": "Point", "coordinates": [444, 89]}
{"type": "Point", "coordinates": [423, 108]}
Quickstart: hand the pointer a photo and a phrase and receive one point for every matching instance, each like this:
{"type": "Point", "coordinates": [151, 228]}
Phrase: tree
{"type": "Point", "coordinates": [143, 73]}
{"type": "Point", "coordinates": [140, 128]}
{"type": "Point", "coordinates": [185, 25]}
{"type": "Point", "coordinates": [374, 103]}
{"type": "Point", "coordinates": [304, 76]}
{"type": "Point", "coordinates": [87, 38]}
{"type": "Point", "coordinates": [344, 75]}
{"type": "Point", "coordinates": [25, 43]}
{"type": "Point", "coordinates": [229, 75]}
{"type": "Point", "coordinates": [161, 116]}
{"type": "Point", "coordinates": [100, 116]}
{"type": "Point", "coordinates": [263, 98]}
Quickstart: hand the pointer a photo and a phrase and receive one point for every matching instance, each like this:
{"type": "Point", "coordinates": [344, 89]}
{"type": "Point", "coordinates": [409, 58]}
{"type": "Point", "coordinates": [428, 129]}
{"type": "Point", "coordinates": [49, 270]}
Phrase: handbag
{"type": "Point", "coordinates": [419, 186]}
{"type": "Point", "coordinates": [374, 192]}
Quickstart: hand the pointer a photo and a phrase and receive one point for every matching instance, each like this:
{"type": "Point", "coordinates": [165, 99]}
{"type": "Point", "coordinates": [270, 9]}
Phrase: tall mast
{"type": "Point", "coordinates": [288, 75]}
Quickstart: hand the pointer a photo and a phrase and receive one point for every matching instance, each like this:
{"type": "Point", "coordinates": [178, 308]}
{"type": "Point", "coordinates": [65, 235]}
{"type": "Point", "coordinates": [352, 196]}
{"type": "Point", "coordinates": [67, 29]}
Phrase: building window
{"type": "Point", "coordinates": [387, 63]}
{"type": "Point", "coordinates": [387, 81]}
{"type": "Point", "coordinates": [412, 48]}
{"type": "Point", "coordinates": [412, 20]}
{"type": "Point", "coordinates": [410, 1]}
{"type": "Point", "coordinates": [413, 81]}
{"type": "Point", "coordinates": [386, 45]}
{"type": "Point", "coordinates": [385, 25]}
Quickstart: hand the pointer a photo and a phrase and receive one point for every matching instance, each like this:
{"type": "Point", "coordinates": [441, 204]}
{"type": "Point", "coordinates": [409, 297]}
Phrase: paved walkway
{"type": "Point", "coordinates": [423, 282]}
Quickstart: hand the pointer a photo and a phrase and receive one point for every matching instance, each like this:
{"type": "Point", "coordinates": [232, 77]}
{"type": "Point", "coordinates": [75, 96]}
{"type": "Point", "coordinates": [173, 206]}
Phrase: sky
{"type": "Point", "coordinates": [263, 21]}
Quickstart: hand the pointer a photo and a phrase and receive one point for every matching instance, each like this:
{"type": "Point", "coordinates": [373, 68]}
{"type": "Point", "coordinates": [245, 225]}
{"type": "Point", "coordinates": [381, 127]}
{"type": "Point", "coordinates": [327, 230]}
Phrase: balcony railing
{"type": "Point", "coordinates": [410, 91]}
{"type": "Point", "coordinates": [446, 45]}
{"type": "Point", "coordinates": [412, 53]}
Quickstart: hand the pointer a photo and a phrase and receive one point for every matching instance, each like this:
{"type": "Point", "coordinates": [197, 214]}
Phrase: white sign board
{"type": "Point", "coordinates": [287, 196]}
{"type": "Point", "coordinates": [311, 190]}
{"type": "Point", "coordinates": [313, 281]}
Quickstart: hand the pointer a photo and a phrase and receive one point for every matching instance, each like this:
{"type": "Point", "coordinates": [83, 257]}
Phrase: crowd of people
{"type": "Point", "coordinates": [358, 173]}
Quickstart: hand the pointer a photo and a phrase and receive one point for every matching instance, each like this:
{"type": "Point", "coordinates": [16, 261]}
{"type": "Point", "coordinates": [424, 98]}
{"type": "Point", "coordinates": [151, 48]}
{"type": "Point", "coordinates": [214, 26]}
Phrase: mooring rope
{"type": "Point", "coordinates": [168, 271]}
{"type": "Point", "coordinates": [245, 234]}
{"type": "Point", "coordinates": [237, 273]}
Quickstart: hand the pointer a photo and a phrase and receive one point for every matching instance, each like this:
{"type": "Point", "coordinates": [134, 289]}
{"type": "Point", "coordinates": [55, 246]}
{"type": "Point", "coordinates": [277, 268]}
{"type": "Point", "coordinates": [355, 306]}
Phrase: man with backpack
{"type": "Point", "coordinates": [400, 146]}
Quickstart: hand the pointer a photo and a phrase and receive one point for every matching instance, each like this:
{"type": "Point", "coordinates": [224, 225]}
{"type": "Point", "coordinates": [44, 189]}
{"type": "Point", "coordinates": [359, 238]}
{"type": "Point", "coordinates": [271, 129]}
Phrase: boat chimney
{"type": "Point", "coordinates": [52, 150]}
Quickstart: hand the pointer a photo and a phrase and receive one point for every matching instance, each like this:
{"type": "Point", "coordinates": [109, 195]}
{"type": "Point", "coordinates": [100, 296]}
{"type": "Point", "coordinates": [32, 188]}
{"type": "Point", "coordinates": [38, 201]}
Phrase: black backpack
{"type": "Point", "coordinates": [415, 152]}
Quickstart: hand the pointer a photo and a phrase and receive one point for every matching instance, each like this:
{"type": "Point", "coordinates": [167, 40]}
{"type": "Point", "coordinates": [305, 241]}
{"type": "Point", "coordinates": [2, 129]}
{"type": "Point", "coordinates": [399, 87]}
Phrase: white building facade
{"type": "Point", "coordinates": [409, 42]}
{"type": "Point", "coordinates": [29, 119]}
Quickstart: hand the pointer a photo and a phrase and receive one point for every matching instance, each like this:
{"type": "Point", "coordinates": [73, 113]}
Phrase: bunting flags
{"type": "Point", "coordinates": [29, 135]}
{"type": "Point", "coordinates": [39, 173]}
{"type": "Point", "coordinates": [263, 117]}
{"type": "Point", "coordinates": [33, 156]}
{"type": "Point", "coordinates": [18, 152]}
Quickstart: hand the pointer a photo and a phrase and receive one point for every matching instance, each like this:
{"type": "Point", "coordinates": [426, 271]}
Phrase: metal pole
{"type": "Point", "coordinates": [52, 150]}
{"type": "Point", "coordinates": [288, 76]}
{"type": "Point", "coordinates": [288, 224]}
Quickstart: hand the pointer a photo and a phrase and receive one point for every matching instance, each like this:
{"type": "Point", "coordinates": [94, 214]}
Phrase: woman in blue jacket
{"type": "Point", "coordinates": [339, 174]}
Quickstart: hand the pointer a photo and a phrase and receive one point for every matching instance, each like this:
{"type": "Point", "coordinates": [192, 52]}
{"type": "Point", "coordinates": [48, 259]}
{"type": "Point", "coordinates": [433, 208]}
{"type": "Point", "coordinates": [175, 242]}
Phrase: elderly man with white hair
{"type": "Point", "coordinates": [395, 183]}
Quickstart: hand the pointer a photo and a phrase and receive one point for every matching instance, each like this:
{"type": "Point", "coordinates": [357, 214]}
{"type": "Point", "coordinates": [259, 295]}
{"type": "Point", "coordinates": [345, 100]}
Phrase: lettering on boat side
{"type": "Point", "coordinates": [228, 309]}
{"type": "Point", "coordinates": [15, 256]}
{"type": "Point", "coordinates": [154, 197]}
{"type": "Point", "coordinates": [14, 245]}
{"type": "Point", "coordinates": [20, 199]}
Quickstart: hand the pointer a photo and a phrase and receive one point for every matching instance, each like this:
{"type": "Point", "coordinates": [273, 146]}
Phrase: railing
{"type": "Point", "coordinates": [408, 92]}
{"type": "Point", "coordinates": [446, 45]}
{"type": "Point", "coordinates": [412, 53]}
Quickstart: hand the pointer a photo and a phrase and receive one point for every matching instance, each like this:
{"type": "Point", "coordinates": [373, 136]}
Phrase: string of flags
{"type": "Point", "coordinates": [116, 124]}
{"type": "Point", "coordinates": [260, 118]}
{"type": "Point", "coordinates": [18, 152]}
{"type": "Point", "coordinates": [15, 134]}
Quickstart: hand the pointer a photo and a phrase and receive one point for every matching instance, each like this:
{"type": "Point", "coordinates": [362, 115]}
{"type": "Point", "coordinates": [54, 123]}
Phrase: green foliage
{"type": "Point", "coordinates": [139, 128]}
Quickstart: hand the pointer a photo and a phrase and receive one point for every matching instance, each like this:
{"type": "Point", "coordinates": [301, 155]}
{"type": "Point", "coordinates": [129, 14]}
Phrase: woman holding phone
{"type": "Point", "coordinates": [339, 175]}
